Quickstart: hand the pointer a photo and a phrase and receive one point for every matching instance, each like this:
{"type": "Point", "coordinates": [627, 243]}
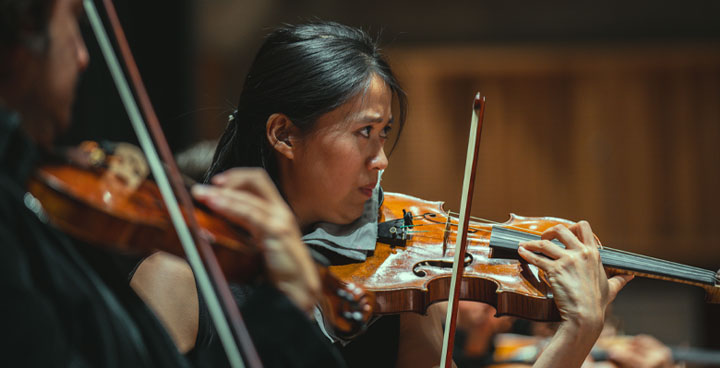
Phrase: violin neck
{"type": "Point", "coordinates": [505, 241]}
{"type": "Point", "coordinates": [641, 265]}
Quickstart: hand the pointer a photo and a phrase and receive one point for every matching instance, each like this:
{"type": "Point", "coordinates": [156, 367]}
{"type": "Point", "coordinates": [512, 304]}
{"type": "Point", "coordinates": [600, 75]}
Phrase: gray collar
{"type": "Point", "coordinates": [355, 240]}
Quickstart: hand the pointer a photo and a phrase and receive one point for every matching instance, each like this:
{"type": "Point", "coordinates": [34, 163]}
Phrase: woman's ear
{"type": "Point", "coordinates": [280, 131]}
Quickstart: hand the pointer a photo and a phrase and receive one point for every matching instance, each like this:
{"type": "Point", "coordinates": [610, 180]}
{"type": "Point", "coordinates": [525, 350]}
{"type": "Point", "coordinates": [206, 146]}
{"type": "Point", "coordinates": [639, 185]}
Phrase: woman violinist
{"type": "Point", "coordinates": [314, 115]}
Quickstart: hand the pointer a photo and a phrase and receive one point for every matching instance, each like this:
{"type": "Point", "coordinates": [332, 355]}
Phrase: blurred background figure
{"type": "Point", "coordinates": [485, 340]}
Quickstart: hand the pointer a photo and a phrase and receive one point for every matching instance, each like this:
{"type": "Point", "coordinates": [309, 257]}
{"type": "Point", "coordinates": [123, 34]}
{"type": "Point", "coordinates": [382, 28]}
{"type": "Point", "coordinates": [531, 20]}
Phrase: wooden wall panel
{"type": "Point", "coordinates": [626, 137]}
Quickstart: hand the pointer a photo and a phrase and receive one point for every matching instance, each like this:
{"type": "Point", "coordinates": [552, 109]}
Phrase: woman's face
{"type": "Point", "coordinates": [336, 165]}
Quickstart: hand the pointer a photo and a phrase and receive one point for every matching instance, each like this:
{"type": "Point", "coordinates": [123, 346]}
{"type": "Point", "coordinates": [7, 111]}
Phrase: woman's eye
{"type": "Point", "coordinates": [365, 131]}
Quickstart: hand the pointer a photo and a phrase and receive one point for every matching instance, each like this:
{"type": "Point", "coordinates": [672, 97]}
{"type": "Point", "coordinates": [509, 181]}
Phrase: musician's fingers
{"type": "Point", "coordinates": [248, 178]}
{"type": "Point", "coordinates": [624, 356]}
{"type": "Point", "coordinates": [583, 232]}
{"type": "Point", "coordinates": [545, 247]}
{"type": "Point", "coordinates": [535, 259]}
{"type": "Point", "coordinates": [615, 284]}
{"type": "Point", "coordinates": [225, 197]}
{"type": "Point", "coordinates": [642, 351]}
{"type": "Point", "coordinates": [242, 208]}
{"type": "Point", "coordinates": [562, 234]}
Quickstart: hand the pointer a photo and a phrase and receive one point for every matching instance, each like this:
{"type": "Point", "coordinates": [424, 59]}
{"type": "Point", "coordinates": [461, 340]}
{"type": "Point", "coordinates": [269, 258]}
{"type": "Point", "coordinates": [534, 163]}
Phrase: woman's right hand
{"type": "Point", "coordinates": [580, 288]}
{"type": "Point", "coordinates": [247, 197]}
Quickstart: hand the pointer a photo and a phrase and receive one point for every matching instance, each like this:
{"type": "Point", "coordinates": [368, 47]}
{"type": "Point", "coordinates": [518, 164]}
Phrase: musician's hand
{"type": "Point", "coordinates": [247, 197]}
{"type": "Point", "coordinates": [642, 351]}
{"type": "Point", "coordinates": [580, 287]}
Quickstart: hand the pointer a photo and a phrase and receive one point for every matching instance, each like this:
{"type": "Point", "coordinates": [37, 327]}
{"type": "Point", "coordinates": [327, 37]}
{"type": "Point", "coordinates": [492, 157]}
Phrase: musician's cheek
{"type": "Point", "coordinates": [63, 59]}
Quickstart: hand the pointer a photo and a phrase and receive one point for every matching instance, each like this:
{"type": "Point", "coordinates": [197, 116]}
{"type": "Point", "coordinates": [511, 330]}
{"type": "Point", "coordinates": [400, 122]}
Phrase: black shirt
{"type": "Point", "coordinates": [61, 307]}
{"type": "Point", "coordinates": [281, 333]}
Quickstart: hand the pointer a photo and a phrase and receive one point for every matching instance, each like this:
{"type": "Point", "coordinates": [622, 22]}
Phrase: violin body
{"type": "Point", "coordinates": [97, 206]}
{"type": "Point", "coordinates": [86, 205]}
{"type": "Point", "coordinates": [409, 278]}
{"type": "Point", "coordinates": [412, 271]}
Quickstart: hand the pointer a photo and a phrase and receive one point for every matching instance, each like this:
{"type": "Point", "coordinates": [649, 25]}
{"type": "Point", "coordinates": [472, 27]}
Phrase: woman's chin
{"type": "Point", "coordinates": [349, 216]}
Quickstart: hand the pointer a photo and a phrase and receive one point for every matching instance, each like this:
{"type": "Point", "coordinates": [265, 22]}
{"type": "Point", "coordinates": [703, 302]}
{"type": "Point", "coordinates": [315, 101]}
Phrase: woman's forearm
{"type": "Point", "coordinates": [569, 347]}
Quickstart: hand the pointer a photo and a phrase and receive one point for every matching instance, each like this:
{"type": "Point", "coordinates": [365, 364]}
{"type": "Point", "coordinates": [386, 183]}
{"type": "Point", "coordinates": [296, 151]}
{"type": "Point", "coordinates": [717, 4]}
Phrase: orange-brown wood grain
{"type": "Point", "coordinates": [410, 277]}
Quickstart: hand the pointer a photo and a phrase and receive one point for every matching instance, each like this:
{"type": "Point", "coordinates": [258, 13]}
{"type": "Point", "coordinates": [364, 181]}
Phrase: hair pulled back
{"type": "Point", "coordinates": [302, 71]}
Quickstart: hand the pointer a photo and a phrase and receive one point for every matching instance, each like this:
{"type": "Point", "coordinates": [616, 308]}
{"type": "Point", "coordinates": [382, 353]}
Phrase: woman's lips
{"type": "Point", "coordinates": [367, 190]}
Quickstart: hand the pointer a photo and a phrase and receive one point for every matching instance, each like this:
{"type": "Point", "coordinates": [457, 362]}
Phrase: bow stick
{"type": "Point", "coordinates": [211, 282]}
{"type": "Point", "coordinates": [464, 220]}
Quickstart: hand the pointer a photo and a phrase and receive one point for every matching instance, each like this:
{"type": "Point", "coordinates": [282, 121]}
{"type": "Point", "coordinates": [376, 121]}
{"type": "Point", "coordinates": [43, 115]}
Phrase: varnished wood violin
{"type": "Point", "coordinates": [100, 199]}
{"type": "Point", "coordinates": [411, 266]}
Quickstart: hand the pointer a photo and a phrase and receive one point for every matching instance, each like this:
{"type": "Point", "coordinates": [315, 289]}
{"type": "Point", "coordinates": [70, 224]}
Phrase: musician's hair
{"type": "Point", "coordinates": [302, 71]}
{"type": "Point", "coordinates": [24, 23]}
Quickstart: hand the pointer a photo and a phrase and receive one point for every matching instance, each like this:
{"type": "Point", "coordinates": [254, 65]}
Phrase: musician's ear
{"type": "Point", "coordinates": [281, 132]}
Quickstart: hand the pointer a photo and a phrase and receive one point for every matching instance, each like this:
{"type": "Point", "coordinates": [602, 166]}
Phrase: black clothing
{"type": "Point", "coordinates": [287, 338]}
{"type": "Point", "coordinates": [62, 307]}
{"type": "Point", "coordinates": [377, 347]}
{"type": "Point", "coordinates": [283, 337]}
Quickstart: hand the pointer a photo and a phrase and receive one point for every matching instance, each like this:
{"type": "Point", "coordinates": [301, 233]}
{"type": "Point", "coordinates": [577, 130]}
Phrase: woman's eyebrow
{"type": "Point", "coordinates": [372, 119]}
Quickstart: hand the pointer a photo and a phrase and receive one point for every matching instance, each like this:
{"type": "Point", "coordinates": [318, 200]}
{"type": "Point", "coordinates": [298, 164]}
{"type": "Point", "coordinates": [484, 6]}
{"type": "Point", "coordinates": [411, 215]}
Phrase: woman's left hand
{"type": "Point", "coordinates": [575, 273]}
{"type": "Point", "coordinates": [580, 288]}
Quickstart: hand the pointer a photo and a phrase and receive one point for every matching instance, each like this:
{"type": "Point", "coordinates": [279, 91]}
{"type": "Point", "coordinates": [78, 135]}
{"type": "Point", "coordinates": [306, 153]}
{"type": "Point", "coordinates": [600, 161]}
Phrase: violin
{"type": "Point", "coordinates": [411, 266]}
{"type": "Point", "coordinates": [104, 199]}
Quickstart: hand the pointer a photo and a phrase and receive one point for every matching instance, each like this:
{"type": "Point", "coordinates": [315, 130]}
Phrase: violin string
{"type": "Point", "coordinates": [404, 226]}
{"type": "Point", "coordinates": [653, 259]}
{"type": "Point", "coordinates": [525, 230]}
{"type": "Point", "coordinates": [640, 263]}
{"type": "Point", "coordinates": [668, 266]}
{"type": "Point", "coordinates": [451, 213]}
{"type": "Point", "coordinates": [625, 258]}
{"type": "Point", "coordinates": [630, 261]}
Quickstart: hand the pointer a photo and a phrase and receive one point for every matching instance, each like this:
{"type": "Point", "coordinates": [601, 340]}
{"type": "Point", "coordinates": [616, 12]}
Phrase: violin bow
{"type": "Point", "coordinates": [463, 221]}
{"type": "Point", "coordinates": [211, 282]}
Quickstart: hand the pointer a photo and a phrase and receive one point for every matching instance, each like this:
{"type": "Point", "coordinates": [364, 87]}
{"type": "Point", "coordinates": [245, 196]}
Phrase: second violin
{"type": "Point", "coordinates": [102, 200]}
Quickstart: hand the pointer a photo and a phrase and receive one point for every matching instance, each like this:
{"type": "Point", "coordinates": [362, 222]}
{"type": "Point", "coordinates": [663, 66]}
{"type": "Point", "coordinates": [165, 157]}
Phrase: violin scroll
{"type": "Point", "coordinates": [347, 308]}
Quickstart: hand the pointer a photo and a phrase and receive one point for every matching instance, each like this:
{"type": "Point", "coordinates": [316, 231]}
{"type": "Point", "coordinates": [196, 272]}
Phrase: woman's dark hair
{"type": "Point", "coordinates": [301, 71]}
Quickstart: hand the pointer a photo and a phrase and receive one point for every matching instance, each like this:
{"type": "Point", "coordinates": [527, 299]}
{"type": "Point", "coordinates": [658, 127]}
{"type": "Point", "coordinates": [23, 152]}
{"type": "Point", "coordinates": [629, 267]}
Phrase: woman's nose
{"type": "Point", "coordinates": [379, 161]}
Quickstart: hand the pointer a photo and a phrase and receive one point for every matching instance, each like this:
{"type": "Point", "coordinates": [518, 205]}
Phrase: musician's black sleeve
{"type": "Point", "coordinates": [34, 337]}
